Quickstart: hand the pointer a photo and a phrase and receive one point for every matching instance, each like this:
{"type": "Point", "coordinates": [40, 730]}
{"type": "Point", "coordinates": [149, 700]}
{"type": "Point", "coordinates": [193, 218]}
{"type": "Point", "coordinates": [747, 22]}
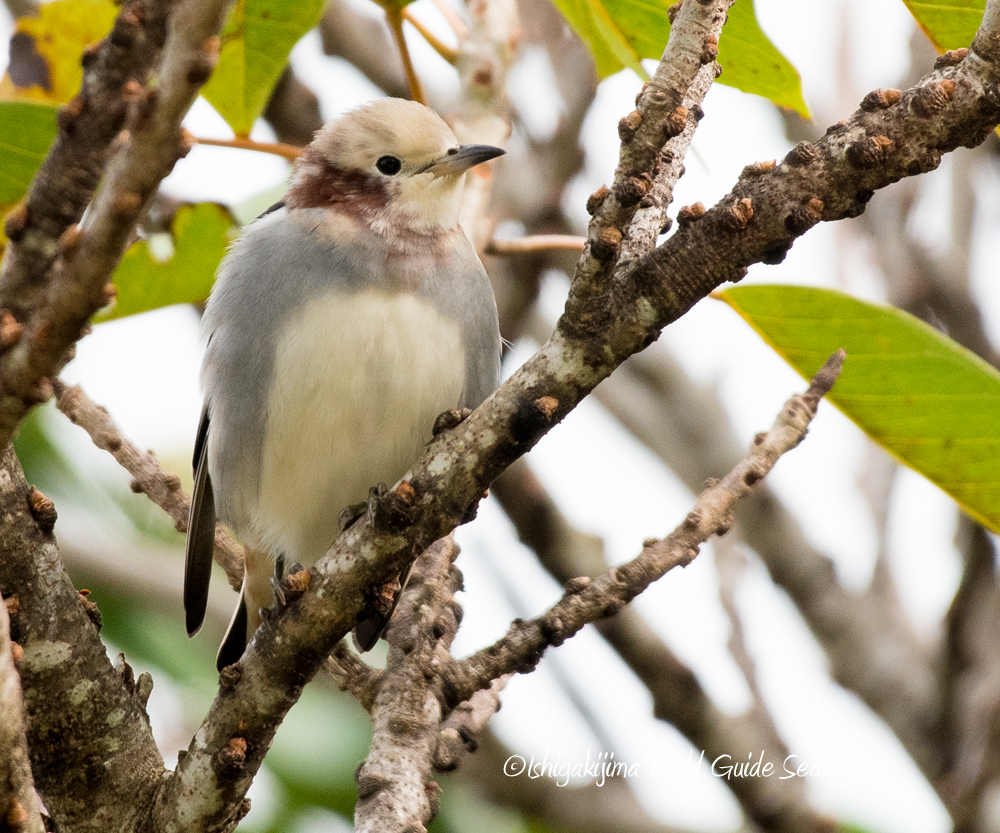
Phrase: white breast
{"type": "Point", "coordinates": [358, 381]}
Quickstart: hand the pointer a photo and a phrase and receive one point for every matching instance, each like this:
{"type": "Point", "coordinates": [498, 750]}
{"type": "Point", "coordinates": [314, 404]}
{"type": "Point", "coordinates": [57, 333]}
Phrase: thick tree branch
{"type": "Point", "coordinates": [19, 808]}
{"type": "Point", "coordinates": [88, 254]}
{"type": "Point", "coordinates": [65, 183]}
{"type": "Point", "coordinates": [95, 763]}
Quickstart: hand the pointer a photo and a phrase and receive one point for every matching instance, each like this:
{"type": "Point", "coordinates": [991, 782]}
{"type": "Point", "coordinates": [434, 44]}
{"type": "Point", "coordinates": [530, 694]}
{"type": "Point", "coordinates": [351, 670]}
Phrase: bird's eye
{"type": "Point", "coordinates": [389, 165]}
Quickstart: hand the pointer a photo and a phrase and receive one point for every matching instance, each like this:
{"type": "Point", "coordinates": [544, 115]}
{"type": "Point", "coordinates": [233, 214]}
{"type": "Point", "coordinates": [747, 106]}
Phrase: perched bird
{"type": "Point", "coordinates": [342, 322]}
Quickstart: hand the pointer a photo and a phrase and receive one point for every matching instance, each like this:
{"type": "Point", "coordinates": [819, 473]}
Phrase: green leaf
{"type": "Point", "coordinates": [255, 44]}
{"type": "Point", "coordinates": [200, 234]}
{"type": "Point", "coordinates": [619, 33]}
{"type": "Point", "coordinates": [931, 403]}
{"type": "Point", "coordinates": [751, 63]}
{"type": "Point", "coordinates": [950, 24]}
{"type": "Point", "coordinates": [26, 131]}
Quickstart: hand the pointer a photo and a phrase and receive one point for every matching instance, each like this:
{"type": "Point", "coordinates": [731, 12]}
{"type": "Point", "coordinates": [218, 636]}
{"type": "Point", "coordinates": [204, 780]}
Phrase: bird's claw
{"type": "Point", "coordinates": [450, 419]}
{"type": "Point", "coordinates": [279, 592]}
{"type": "Point", "coordinates": [349, 514]}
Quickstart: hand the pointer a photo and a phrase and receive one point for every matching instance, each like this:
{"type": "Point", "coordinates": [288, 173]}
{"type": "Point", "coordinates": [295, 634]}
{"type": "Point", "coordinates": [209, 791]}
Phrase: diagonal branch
{"type": "Point", "coordinates": [678, 697]}
{"type": "Point", "coordinates": [589, 600]}
{"type": "Point", "coordinates": [87, 255]}
{"type": "Point", "coordinates": [148, 476]}
{"type": "Point", "coordinates": [88, 126]}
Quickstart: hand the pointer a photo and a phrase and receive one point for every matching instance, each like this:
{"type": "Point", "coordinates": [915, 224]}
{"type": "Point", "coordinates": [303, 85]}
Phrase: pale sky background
{"type": "Point", "coordinates": [145, 370]}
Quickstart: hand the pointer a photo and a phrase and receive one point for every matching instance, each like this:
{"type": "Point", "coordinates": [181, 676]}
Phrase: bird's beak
{"type": "Point", "coordinates": [461, 158]}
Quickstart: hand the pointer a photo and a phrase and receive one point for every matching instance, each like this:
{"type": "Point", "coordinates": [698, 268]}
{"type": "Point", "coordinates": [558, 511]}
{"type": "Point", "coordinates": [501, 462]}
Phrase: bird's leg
{"type": "Point", "coordinates": [450, 419]}
{"type": "Point", "coordinates": [286, 588]}
{"type": "Point", "coordinates": [279, 574]}
{"type": "Point", "coordinates": [349, 514]}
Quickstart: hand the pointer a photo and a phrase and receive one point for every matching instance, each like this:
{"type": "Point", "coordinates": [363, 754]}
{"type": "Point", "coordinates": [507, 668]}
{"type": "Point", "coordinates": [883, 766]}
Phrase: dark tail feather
{"type": "Point", "coordinates": [233, 645]}
{"type": "Point", "coordinates": [200, 537]}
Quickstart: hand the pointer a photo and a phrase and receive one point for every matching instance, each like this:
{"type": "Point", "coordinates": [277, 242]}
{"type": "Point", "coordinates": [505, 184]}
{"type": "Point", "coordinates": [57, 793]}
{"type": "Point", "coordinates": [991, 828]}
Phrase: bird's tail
{"type": "Point", "coordinates": [254, 595]}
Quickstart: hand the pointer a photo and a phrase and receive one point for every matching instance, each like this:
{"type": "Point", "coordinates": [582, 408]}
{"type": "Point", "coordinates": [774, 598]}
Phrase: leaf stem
{"type": "Point", "coordinates": [442, 49]}
{"type": "Point", "coordinates": [289, 152]}
{"type": "Point", "coordinates": [457, 24]}
{"type": "Point", "coordinates": [394, 16]}
{"type": "Point", "coordinates": [535, 243]}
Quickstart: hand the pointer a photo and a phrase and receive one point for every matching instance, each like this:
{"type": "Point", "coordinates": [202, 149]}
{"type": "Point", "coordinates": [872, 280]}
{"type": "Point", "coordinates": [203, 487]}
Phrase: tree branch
{"type": "Point", "coordinates": [589, 600]}
{"type": "Point", "coordinates": [394, 793]}
{"type": "Point", "coordinates": [65, 183]}
{"type": "Point", "coordinates": [149, 478]}
{"type": "Point", "coordinates": [678, 697]}
{"type": "Point", "coordinates": [871, 645]}
{"type": "Point", "coordinates": [88, 255]}
{"type": "Point", "coordinates": [19, 807]}
{"type": "Point", "coordinates": [353, 674]}
{"type": "Point", "coordinates": [95, 763]}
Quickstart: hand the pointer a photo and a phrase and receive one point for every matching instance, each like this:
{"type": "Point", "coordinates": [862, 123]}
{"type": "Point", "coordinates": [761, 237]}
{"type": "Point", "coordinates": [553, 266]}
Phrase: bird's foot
{"type": "Point", "coordinates": [349, 514]}
{"type": "Point", "coordinates": [288, 589]}
{"type": "Point", "coordinates": [450, 419]}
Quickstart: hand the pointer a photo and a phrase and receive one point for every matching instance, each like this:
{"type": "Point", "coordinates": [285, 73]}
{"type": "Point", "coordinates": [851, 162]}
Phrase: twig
{"type": "Point", "coordinates": [442, 49]}
{"type": "Point", "coordinates": [19, 805]}
{"type": "Point", "coordinates": [587, 600]}
{"type": "Point", "coordinates": [149, 478]}
{"type": "Point", "coordinates": [459, 731]}
{"type": "Point", "coordinates": [354, 675]}
{"type": "Point", "coordinates": [454, 20]}
{"type": "Point", "coordinates": [678, 698]}
{"type": "Point", "coordinates": [535, 243]}
{"type": "Point", "coordinates": [394, 18]}
{"type": "Point", "coordinates": [289, 152]}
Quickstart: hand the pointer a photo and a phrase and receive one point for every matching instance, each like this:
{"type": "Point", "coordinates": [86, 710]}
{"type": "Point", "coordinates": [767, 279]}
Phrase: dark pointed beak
{"type": "Point", "coordinates": [462, 158]}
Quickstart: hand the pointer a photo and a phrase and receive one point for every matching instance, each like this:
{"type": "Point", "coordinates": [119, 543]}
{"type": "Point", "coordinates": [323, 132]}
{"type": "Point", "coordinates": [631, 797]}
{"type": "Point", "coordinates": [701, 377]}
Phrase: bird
{"type": "Point", "coordinates": [342, 322]}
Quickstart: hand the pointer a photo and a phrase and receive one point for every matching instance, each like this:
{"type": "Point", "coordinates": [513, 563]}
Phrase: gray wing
{"type": "Point", "coordinates": [200, 536]}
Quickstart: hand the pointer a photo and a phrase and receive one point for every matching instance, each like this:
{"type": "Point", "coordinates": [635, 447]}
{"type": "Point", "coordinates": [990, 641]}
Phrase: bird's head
{"type": "Point", "coordinates": [392, 164]}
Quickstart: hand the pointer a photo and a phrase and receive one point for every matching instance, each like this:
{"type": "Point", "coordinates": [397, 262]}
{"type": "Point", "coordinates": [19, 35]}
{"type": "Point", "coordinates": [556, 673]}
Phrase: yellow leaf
{"type": "Point", "coordinates": [45, 50]}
